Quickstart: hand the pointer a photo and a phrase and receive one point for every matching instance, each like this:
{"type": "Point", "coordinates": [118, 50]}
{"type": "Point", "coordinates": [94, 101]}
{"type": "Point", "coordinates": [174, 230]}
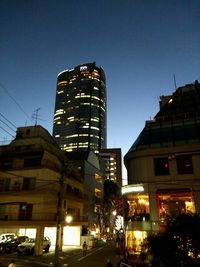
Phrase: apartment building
{"type": "Point", "coordinates": [34, 189]}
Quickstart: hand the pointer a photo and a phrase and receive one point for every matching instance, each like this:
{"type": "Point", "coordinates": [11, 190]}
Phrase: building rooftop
{"type": "Point", "coordinates": [177, 122]}
{"type": "Point", "coordinates": [184, 103]}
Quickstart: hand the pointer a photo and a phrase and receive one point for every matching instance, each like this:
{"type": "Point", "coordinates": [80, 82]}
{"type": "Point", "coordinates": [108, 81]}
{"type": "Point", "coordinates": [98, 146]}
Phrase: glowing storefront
{"type": "Point", "coordinates": [147, 209]}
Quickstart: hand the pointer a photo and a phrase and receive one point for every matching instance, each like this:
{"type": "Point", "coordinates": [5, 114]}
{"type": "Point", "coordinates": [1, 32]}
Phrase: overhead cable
{"type": "Point", "coordinates": [8, 120]}
{"type": "Point", "coordinates": [6, 131]}
{"type": "Point", "coordinates": [7, 92]}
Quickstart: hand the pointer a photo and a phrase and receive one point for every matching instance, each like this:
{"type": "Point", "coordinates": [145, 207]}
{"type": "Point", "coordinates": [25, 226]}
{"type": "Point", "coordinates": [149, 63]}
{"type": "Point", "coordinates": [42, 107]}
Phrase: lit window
{"type": "Point", "coordinates": [60, 92]}
{"type": "Point", "coordinates": [94, 128]}
{"type": "Point", "coordinates": [63, 83]}
{"type": "Point", "coordinates": [94, 97]}
{"type": "Point", "coordinates": [95, 119]}
{"type": "Point", "coordinates": [71, 118]}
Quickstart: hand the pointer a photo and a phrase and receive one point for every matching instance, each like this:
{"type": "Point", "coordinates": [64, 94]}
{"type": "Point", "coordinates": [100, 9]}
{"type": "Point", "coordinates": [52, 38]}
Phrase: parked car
{"type": "Point", "coordinates": [28, 246]}
{"type": "Point", "coordinates": [6, 242]}
{"type": "Point", "coordinates": [16, 241]}
{"type": "Point", "coordinates": [6, 236]}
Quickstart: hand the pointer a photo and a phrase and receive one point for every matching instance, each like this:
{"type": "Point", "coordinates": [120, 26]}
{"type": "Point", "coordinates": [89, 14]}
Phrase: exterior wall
{"type": "Point", "coordinates": [141, 164]}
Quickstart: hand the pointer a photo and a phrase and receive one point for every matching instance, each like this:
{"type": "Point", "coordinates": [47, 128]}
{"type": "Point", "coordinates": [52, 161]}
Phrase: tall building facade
{"type": "Point", "coordinates": [80, 109]}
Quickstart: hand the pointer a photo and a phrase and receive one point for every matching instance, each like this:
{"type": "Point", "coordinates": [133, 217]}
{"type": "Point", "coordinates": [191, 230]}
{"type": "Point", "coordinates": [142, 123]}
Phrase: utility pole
{"type": "Point", "coordinates": [59, 219]}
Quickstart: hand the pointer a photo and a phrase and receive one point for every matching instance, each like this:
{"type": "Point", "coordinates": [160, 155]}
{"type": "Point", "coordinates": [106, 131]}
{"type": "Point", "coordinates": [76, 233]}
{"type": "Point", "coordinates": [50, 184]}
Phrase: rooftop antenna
{"type": "Point", "coordinates": [174, 81]}
{"type": "Point", "coordinates": [35, 115]}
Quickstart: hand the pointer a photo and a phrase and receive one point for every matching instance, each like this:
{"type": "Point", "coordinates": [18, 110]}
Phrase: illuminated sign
{"type": "Point", "coordinates": [132, 189]}
{"type": "Point", "coordinates": [83, 68]}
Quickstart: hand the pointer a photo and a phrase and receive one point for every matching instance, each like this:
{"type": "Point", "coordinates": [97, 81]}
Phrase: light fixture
{"type": "Point", "coordinates": [114, 212]}
{"type": "Point", "coordinates": [132, 189]}
{"type": "Point", "coordinates": [68, 218]}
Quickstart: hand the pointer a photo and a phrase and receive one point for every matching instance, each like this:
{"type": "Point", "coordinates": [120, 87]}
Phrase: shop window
{"type": "Point", "coordinates": [161, 166]}
{"type": "Point", "coordinates": [135, 240]}
{"type": "Point", "coordinates": [138, 208]}
{"type": "Point", "coordinates": [170, 205]}
{"type": "Point", "coordinates": [184, 164]}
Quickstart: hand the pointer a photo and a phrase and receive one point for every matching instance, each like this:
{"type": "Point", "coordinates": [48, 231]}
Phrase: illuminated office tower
{"type": "Point", "coordinates": [80, 109]}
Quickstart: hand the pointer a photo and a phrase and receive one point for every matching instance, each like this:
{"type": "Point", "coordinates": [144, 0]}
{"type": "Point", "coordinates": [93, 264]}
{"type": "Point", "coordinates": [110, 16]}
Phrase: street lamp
{"type": "Point", "coordinates": [114, 212]}
{"type": "Point", "coordinates": [68, 219]}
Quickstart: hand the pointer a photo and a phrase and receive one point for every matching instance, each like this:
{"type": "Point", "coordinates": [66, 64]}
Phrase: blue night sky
{"type": "Point", "coordinates": [139, 43]}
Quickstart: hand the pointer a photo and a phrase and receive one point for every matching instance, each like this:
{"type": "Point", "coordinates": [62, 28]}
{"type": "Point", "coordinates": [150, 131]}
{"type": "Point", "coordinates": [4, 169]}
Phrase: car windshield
{"type": "Point", "coordinates": [9, 236]}
{"type": "Point", "coordinates": [30, 240]}
{"type": "Point", "coordinates": [5, 237]}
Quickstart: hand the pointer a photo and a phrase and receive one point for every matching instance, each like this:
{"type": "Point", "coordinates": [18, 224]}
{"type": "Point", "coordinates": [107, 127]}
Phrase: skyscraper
{"type": "Point", "coordinates": [80, 109]}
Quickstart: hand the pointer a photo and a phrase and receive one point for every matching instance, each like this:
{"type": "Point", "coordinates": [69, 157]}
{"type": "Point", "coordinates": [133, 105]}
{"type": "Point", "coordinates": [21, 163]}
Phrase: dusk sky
{"type": "Point", "coordinates": [140, 44]}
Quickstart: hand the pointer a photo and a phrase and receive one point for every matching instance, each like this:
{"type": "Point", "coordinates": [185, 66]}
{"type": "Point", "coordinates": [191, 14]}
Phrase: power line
{"type": "Point", "coordinates": [7, 92]}
{"type": "Point", "coordinates": [7, 125]}
{"type": "Point", "coordinates": [6, 131]}
{"type": "Point", "coordinates": [8, 120]}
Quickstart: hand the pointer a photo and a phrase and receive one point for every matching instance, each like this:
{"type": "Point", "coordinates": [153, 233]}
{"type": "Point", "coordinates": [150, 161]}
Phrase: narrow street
{"type": "Point", "coordinates": [95, 257]}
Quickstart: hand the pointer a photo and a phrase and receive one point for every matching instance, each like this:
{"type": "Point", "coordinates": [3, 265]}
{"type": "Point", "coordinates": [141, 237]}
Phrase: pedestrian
{"type": "Point", "coordinates": [12, 263]}
{"type": "Point", "coordinates": [109, 263]}
{"type": "Point", "coordinates": [84, 248]}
